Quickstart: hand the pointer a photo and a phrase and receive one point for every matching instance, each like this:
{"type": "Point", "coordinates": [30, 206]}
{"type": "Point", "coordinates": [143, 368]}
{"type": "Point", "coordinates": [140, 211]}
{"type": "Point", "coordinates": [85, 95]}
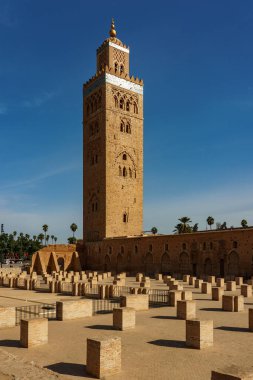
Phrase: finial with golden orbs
{"type": "Point", "coordinates": [112, 30]}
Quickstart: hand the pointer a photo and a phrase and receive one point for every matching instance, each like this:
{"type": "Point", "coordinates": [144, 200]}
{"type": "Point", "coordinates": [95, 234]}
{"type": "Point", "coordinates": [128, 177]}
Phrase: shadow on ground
{"type": "Point", "coordinates": [168, 343]}
{"type": "Point", "coordinates": [72, 369]}
{"type": "Point", "coordinates": [164, 317]}
{"type": "Point", "coordinates": [211, 309]}
{"type": "Point", "coordinates": [232, 328]}
{"type": "Point", "coordinates": [100, 327]}
{"type": "Point", "coordinates": [10, 343]}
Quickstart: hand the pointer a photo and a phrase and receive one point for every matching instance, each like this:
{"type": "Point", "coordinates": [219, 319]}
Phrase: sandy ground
{"type": "Point", "coordinates": [155, 349]}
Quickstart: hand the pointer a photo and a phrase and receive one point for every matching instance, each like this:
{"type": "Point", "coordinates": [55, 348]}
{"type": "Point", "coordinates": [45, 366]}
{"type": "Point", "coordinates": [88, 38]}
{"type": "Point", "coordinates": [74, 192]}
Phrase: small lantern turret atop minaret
{"type": "Point", "coordinates": [113, 54]}
{"type": "Point", "coordinates": [113, 32]}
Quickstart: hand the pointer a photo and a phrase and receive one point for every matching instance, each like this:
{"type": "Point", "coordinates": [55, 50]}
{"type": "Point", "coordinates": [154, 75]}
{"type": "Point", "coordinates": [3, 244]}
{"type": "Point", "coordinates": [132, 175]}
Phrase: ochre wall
{"type": "Point", "coordinates": [221, 253]}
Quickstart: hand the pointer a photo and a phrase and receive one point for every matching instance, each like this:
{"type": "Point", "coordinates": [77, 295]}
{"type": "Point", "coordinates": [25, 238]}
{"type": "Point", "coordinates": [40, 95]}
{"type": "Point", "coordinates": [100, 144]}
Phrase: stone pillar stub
{"type": "Point", "coordinates": [103, 356]}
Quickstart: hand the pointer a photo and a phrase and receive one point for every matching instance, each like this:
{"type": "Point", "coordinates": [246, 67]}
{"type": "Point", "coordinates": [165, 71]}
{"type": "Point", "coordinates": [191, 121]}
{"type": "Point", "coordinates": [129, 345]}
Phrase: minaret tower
{"type": "Point", "coordinates": [113, 146]}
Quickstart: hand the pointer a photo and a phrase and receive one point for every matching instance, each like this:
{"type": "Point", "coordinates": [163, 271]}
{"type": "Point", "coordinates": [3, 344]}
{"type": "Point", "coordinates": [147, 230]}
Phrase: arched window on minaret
{"type": "Point", "coordinates": [115, 67]}
{"type": "Point", "coordinates": [124, 157]}
{"type": "Point", "coordinates": [124, 172]}
{"type": "Point", "coordinates": [128, 129]}
{"type": "Point", "coordinates": [122, 129]}
{"type": "Point", "coordinates": [121, 103]}
{"type": "Point", "coordinates": [125, 218]}
{"type": "Point", "coordinates": [135, 108]}
{"type": "Point", "coordinates": [121, 69]}
{"type": "Point", "coordinates": [128, 106]}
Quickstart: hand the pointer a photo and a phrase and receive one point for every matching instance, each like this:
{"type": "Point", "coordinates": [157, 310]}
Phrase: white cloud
{"type": "Point", "coordinates": [39, 100]}
{"type": "Point", "coordinates": [41, 177]}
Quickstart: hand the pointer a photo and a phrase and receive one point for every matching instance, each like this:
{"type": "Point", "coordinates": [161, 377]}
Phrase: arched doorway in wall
{"type": "Point", "coordinates": [119, 263]}
{"type": "Point", "coordinates": [149, 264]}
{"type": "Point", "coordinates": [165, 263]}
{"type": "Point", "coordinates": [60, 262]}
{"type": "Point", "coordinates": [184, 263]}
{"type": "Point", "coordinates": [222, 268]}
{"type": "Point", "coordinates": [208, 266]}
{"type": "Point", "coordinates": [233, 264]}
{"type": "Point", "coordinates": [107, 264]}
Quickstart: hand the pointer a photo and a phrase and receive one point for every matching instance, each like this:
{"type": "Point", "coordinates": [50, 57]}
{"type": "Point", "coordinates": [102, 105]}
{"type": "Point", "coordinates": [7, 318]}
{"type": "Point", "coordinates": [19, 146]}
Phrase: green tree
{"type": "Point", "coordinates": [55, 239]}
{"type": "Point", "coordinates": [244, 223]}
{"type": "Point", "coordinates": [210, 221]}
{"type": "Point", "coordinates": [184, 226]}
{"type": "Point", "coordinates": [72, 240]}
{"type": "Point", "coordinates": [52, 237]}
{"type": "Point", "coordinates": [47, 239]}
{"type": "Point", "coordinates": [41, 237]}
{"type": "Point", "coordinates": [73, 228]}
{"type": "Point", "coordinates": [195, 227]}
{"type": "Point", "coordinates": [45, 229]}
{"type": "Point", "coordinates": [154, 230]}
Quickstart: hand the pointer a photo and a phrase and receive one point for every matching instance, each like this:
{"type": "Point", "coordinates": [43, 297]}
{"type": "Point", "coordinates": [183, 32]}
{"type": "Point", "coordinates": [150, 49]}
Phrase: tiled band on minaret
{"type": "Point", "coordinates": [113, 146]}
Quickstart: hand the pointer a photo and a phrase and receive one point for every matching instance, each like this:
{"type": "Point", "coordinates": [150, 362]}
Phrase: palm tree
{"type": "Point", "coordinates": [41, 237]}
{"type": "Point", "coordinates": [184, 226]}
{"type": "Point", "coordinates": [47, 238]}
{"type": "Point", "coordinates": [52, 237]}
{"type": "Point", "coordinates": [55, 239]}
{"type": "Point", "coordinates": [244, 223]}
{"type": "Point", "coordinates": [45, 228]}
{"type": "Point", "coordinates": [73, 228]}
{"type": "Point", "coordinates": [34, 237]}
{"type": "Point", "coordinates": [210, 221]}
{"type": "Point", "coordinates": [154, 230]}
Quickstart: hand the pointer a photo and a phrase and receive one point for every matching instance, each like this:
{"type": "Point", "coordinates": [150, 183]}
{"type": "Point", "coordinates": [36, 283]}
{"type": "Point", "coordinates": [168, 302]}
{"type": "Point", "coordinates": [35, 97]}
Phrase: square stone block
{"type": "Point", "coordinates": [199, 334]}
{"type": "Point", "coordinates": [138, 302]}
{"type": "Point", "coordinates": [186, 278]}
{"type": "Point", "coordinates": [198, 283]}
{"type": "Point", "coordinates": [103, 356]}
{"type": "Point", "coordinates": [174, 296]}
{"type": "Point", "coordinates": [217, 293]}
{"type": "Point", "coordinates": [211, 280]}
{"type": "Point", "coordinates": [123, 318]}
{"type": "Point", "coordinates": [250, 319]}
{"type": "Point", "coordinates": [176, 287]}
{"type": "Point", "coordinates": [186, 309]}
{"type": "Point", "coordinates": [7, 317]}
{"type": "Point", "coordinates": [192, 280]}
{"type": "Point", "coordinates": [238, 303]}
{"type": "Point", "coordinates": [158, 276]}
{"type": "Point", "coordinates": [239, 281]}
{"type": "Point", "coordinates": [246, 290]}
{"type": "Point", "coordinates": [232, 373]}
{"type": "Point", "coordinates": [220, 282]}
{"type": "Point", "coordinates": [33, 332]}
{"type": "Point", "coordinates": [73, 309]}
{"type": "Point", "coordinates": [228, 303]}
{"type": "Point", "coordinates": [186, 295]}
{"type": "Point", "coordinates": [206, 288]}
{"type": "Point", "coordinates": [231, 286]}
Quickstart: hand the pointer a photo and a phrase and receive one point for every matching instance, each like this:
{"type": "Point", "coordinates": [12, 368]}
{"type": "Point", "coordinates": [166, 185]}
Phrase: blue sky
{"type": "Point", "coordinates": [196, 59]}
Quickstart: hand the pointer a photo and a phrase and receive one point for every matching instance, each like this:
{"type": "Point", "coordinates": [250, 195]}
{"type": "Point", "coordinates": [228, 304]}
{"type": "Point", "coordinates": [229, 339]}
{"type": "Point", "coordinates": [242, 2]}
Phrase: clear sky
{"type": "Point", "coordinates": [196, 59]}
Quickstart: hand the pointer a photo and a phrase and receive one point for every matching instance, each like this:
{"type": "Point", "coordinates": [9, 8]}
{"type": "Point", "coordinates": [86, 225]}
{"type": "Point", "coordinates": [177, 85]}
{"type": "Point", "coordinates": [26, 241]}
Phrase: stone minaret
{"type": "Point", "coordinates": [113, 146]}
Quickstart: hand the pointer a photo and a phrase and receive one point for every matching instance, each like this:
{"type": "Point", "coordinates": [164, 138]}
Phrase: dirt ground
{"type": "Point", "coordinates": [154, 349]}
